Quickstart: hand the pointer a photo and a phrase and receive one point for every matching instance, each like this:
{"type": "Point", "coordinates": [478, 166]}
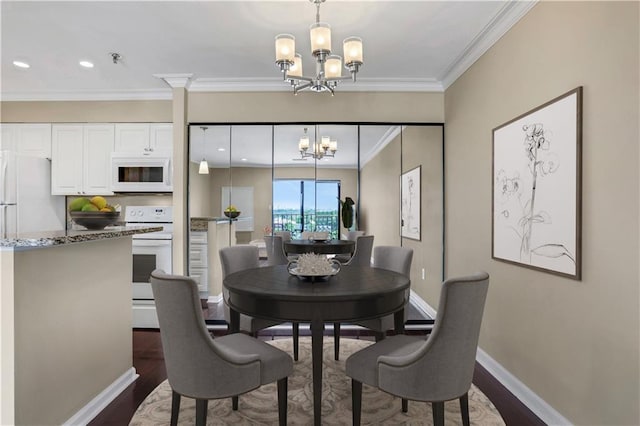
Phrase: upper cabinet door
{"type": "Point", "coordinates": [66, 159]}
{"type": "Point", "coordinates": [34, 140]}
{"type": "Point", "coordinates": [161, 135]}
{"type": "Point", "coordinates": [132, 137]}
{"type": "Point", "coordinates": [98, 145]}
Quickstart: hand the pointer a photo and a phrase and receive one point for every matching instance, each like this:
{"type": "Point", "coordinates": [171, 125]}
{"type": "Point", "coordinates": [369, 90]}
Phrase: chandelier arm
{"type": "Point", "coordinates": [302, 78]}
{"type": "Point", "coordinates": [299, 87]}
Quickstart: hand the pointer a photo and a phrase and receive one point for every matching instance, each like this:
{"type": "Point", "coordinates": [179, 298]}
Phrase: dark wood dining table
{"type": "Point", "coordinates": [319, 246]}
{"type": "Point", "coordinates": [355, 293]}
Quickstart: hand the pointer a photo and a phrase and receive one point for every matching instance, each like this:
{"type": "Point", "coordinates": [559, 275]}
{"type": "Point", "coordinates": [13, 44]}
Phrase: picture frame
{"type": "Point", "coordinates": [536, 188]}
{"type": "Point", "coordinates": [411, 208]}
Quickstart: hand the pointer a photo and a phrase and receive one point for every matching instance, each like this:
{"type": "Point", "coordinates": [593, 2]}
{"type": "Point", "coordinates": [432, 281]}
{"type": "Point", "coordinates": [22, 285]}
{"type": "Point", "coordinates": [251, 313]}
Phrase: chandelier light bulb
{"type": "Point", "coordinates": [352, 47]}
{"type": "Point", "coordinates": [320, 33]}
{"type": "Point", "coordinates": [204, 167]}
{"type": "Point", "coordinates": [296, 68]}
{"type": "Point", "coordinates": [333, 67]}
{"type": "Point", "coordinates": [285, 48]}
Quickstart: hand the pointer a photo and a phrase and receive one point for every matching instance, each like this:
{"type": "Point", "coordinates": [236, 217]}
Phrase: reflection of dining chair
{"type": "Point", "coordinates": [349, 236]}
{"type": "Point", "coordinates": [286, 235]}
{"type": "Point", "coordinates": [362, 254]}
{"type": "Point", "coordinates": [436, 369]}
{"type": "Point", "coordinates": [275, 251]}
{"type": "Point", "coordinates": [238, 258]}
{"type": "Point", "coordinates": [362, 257]}
{"type": "Point", "coordinates": [391, 258]}
{"type": "Point", "coordinates": [204, 368]}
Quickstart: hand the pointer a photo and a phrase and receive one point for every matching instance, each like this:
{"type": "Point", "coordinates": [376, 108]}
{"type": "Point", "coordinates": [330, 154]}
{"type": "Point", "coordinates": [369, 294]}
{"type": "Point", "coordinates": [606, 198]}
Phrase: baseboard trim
{"type": "Point", "coordinates": [537, 405]}
{"type": "Point", "coordinates": [215, 299]}
{"type": "Point", "coordinates": [104, 398]}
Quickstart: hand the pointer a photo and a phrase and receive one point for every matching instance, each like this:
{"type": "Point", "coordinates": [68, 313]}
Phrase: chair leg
{"type": "Point", "coordinates": [438, 413]}
{"type": "Point", "coordinates": [356, 401]}
{"type": "Point", "coordinates": [201, 412]}
{"type": "Point", "coordinates": [464, 409]}
{"type": "Point", "coordinates": [234, 403]}
{"type": "Point", "coordinates": [405, 405]}
{"type": "Point", "coordinates": [175, 407]}
{"type": "Point", "coordinates": [282, 401]}
{"type": "Point", "coordinates": [296, 339]}
{"type": "Point", "coordinates": [336, 341]}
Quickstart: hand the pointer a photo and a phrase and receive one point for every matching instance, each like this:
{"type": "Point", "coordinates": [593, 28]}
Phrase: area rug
{"type": "Point", "coordinates": [260, 407]}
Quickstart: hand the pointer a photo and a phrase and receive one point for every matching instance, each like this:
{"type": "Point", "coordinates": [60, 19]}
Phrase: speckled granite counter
{"type": "Point", "coordinates": [198, 224]}
{"type": "Point", "coordinates": [56, 238]}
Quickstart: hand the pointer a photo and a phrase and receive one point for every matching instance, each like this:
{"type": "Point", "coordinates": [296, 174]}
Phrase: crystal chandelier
{"type": "Point", "coordinates": [326, 148]}
{"type": "Point", "coordinates": [328, 66]}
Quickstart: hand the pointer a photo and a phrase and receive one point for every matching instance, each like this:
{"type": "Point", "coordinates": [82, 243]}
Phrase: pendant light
{"type": "Point", "coordinates": [204, 165]}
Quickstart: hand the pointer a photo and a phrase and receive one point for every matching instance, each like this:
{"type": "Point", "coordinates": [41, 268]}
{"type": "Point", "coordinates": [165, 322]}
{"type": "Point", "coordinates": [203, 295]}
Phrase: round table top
{"type": "Point", "coordinates": [355, 293]}
{"type": "Point", "coordinates": [319, 247]}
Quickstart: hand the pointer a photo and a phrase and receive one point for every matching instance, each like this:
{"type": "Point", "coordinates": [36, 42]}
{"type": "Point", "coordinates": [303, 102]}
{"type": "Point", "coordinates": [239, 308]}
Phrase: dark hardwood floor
{"type": "Point", "coordinates": [149, 363]}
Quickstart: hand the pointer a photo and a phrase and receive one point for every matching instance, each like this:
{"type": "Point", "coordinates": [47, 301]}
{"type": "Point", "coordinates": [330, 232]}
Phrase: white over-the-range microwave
{"type": "Point", "coordinates": [151, 172]}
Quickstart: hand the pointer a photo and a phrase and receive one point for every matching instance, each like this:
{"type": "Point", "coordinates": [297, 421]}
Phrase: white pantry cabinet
{"type": "Point", "coordinates": [81, 159]}
{"type": "Point", "coordinates": [30, 139]}
{"type": "Point", "coordinates": [144, 138]}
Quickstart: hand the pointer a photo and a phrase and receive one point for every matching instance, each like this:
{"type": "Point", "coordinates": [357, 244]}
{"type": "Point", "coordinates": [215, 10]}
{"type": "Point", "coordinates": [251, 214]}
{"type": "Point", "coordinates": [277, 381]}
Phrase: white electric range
{"type": "Point", "coordinates": [150, 251]}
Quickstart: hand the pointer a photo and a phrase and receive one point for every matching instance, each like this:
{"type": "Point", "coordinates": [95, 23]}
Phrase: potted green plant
{"type": "Point", "coordinates": [346, 208]}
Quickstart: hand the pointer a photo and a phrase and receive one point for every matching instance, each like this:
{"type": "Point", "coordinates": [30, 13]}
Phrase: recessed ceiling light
{"type": "Point", "coordinates": [21, 64]}
{"type": "Point", "coordinates": [221, 149]}
{"type": "Point", "coordinates": [243, 159]}
{"type": "Point", "coordinates": [86, 64]}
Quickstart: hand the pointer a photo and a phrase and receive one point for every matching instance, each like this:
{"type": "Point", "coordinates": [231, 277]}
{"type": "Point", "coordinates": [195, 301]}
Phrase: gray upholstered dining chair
{"type": "Point", "coordinates": [391, 258]}
{"type": "Point", "coordinates": [277, 256]}
{"type": "Point", "coordinates": [362, 257]}
{"type": "Point", "coordinates": [204, 368]}
{"type": "Point", "coordinates": [238, 258]}
{"type": "Point", "coordinates": [436, 369]}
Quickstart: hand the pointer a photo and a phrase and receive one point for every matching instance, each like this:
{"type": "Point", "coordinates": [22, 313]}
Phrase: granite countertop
{"type": "Point", "coordinates": [202, 223]}
{"type": "Point", "coordinates": [56, 238]}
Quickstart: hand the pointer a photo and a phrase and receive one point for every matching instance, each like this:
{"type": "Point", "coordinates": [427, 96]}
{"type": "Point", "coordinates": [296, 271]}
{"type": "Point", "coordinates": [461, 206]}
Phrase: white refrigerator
{"type": "Point", "coordinates": [26, 203]}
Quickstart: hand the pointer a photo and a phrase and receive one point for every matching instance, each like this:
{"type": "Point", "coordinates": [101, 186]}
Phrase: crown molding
{"type": "Point", "coordinates": [508, 16]}
{"type": "Point", "coordinates": [105, 95]}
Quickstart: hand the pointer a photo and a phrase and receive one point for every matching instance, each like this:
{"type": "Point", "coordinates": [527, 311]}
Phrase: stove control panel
{"type": "Point", "coordinates": [149, 214]}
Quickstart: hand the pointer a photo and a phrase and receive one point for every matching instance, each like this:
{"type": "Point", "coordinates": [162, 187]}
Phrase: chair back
{"type": "Point", "coordinates": [189, 352]}
{"type": "Point", "coordinates": [238, 258]}
{"type": "Point", "coordinates": [286, 235]}
{"type": "Point", "coordinates": [275, 251]}
{"type": "Point", "coordinates": [391, 258]}
{"type": "Point", "coordinates": [446, 360]}
{"type": "Point", "coordinates": [362, 255]}
{"type": "Point", "coordinates": [352, 235]}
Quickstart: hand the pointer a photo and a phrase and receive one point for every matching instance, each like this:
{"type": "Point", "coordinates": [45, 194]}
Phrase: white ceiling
{"type": "Point", "coordinates": [229, 45]}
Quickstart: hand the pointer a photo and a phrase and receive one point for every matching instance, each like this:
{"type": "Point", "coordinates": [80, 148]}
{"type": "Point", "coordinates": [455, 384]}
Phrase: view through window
{"type": "Point", "coordinates": [306, 205]}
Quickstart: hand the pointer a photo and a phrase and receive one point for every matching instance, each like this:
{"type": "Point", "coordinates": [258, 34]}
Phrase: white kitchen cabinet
{"type": "Point", "coordinates": [81, 159]}
{"type": "Point", "coordinates": [144, 138]}
{"type": "Point", "coordinates": [33, 139]}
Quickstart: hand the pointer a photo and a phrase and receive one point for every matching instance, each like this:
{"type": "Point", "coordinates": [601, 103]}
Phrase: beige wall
{"type": "Point", "coordinates": [422, 146]}
{"type": "Point", "coordinates": [86, 112]}
{"type": "Point", "coordinates": [283, 107]}
{"type": "Point", "coordinates": [574, 343]}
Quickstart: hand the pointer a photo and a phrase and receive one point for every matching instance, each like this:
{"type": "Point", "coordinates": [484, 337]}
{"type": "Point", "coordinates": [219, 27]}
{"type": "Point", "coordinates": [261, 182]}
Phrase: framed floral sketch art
{"type": "Point", "coordinates": [410, 220]}
{"type": "Point", "coordinates": [536, 187]}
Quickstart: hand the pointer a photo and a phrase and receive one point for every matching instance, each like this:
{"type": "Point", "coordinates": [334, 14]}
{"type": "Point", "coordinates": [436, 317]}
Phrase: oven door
{"type": "Point", "coordinates": [147, 256]}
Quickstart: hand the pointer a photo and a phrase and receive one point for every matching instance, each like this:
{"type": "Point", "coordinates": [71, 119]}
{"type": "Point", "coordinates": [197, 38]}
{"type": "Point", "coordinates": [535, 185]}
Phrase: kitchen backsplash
{"type": "Point", "coordinates": [123, 201]}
